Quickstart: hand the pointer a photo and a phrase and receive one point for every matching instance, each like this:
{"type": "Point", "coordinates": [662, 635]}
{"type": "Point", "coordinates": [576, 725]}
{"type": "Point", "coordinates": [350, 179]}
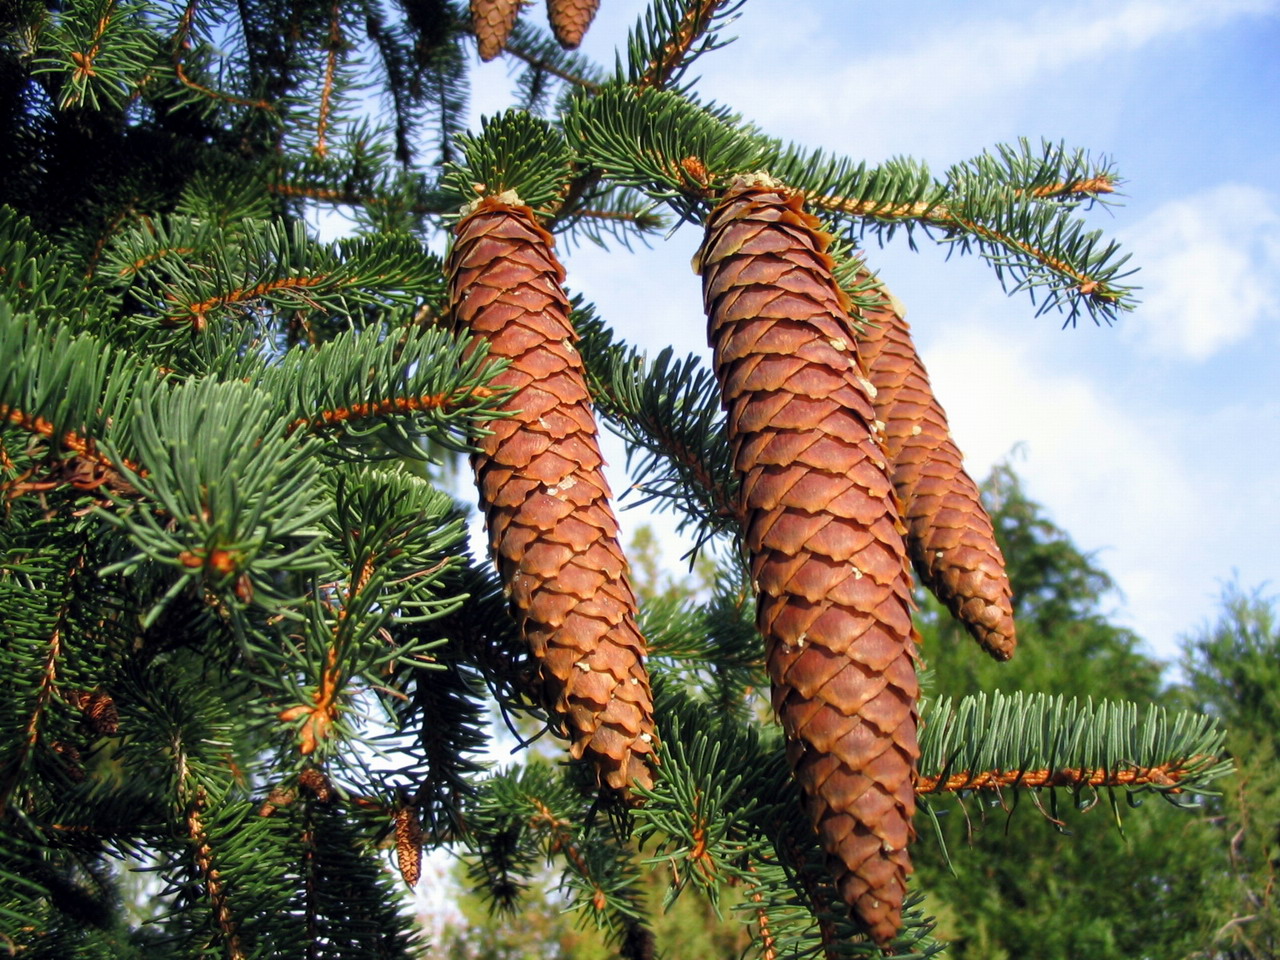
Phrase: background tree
{"type": "Point", "coordinates": [1231, 670]}
{"type": "Point", "coordinates": [244, 645]}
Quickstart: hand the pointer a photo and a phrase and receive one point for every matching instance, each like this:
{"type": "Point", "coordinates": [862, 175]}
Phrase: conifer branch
{"type": "Point", "coordinates": [996, 740]}
{"type": "Point", "coordinates": [662, 48]}
{"type": "Point", "coordinates": [941, 215]}
{"type": "Point", "coordinates": [670, 409]}
{"type": "Point", "coordinates": [47, 685]}
{"type": "Point", "coordinates": [1165, 776]}
{"type": "Point", "coordinates": [540, 60]}
{"type": "Point", "coordinates": [88, 469]}
{"type": "Point", "coordinates": [211, 876]}
{"type": "Point", "coordinates": [99, 245]}
{"type": "Point", "coordinates": [194, 313]}
{"type": "Point", "coordinates": [182, 45]}
{"type": "Point", "coordinates": [333, 49]}
{"type": "Point", "coordinates": [393, 406]}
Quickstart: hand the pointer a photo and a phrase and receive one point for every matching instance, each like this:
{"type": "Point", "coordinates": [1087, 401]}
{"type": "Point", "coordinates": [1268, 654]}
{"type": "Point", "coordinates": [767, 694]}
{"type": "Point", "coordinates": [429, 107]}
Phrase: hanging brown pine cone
{"type": "Point", "coordinates": [551, 528]}
{"type": "Point", "coordinates": [570, 19]}
{"type": "Point", "coordinates": [949, 533]}
{"type": "Point", "coordinates": [408, 844]}
{"type": "Point", "coordinates": [493, 21]}
{"type": "Point", "coordinates": [827, 552]}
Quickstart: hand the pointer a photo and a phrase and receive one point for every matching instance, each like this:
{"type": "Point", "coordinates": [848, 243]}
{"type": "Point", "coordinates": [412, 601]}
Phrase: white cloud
{"type": "Point", "coordinates": [946, 77]}
{"type": "Point", "coordinates": [1114, 482]}
{"type": "Point", "coordinates": [1210, 270]}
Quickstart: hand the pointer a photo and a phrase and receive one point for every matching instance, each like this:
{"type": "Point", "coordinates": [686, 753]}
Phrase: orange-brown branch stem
{"type": "Point", "coordinates": [936, 214]}
{"type": "Point", "coordinates": [389, 407]}
{"type": "Point", "coordinates": [182, 43]}
{"type": "Point", "coordinates": [1164, 775]}
{"type": "Point", "coordinates": [692, 25]}
{"type": "Point", "coordinates": [195, 312]}
{"type": "Point", "coordinates": [330, 68]}
{"type": "Point", "coordinates": [212, 879]}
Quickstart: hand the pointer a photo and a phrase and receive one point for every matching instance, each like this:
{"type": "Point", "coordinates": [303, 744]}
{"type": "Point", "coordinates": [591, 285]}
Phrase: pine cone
{"type": "Point", "coordinates": [551, 528]}
{"type": "Point", "coordinates": [949, 533]}
{"type": "Point", "coordinates": [570, 19]}
{"type": "Point", "coordinates": [827, 553]}
{"type": "Point", "coordinates": [408, 844]}
{"type": "Point", "coordinates": [493, 21]}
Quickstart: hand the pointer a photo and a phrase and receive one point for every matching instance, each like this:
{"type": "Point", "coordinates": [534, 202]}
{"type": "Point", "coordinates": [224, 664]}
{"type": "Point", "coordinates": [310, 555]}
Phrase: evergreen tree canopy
{"type": "Point", "coordinates": [246, 648]}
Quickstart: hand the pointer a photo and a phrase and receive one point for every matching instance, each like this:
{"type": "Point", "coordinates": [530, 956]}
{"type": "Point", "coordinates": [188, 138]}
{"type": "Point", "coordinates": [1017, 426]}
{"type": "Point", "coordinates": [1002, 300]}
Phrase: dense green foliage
{"type": "Point", "coordinates": [249, 662]}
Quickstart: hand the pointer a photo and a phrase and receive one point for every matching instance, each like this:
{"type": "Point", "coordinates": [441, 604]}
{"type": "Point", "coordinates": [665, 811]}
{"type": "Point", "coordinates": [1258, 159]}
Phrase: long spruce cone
{"type": "Point", "coordinates": [551, 528]}
{"type": "Point", "coordinates": [949, 534]}
{"type": "Point", "coordinates": [826, 543]}
{"type": "Point", "coordinates": [493, 21]}
{"type": "Point", "coordinates": [570, 20]}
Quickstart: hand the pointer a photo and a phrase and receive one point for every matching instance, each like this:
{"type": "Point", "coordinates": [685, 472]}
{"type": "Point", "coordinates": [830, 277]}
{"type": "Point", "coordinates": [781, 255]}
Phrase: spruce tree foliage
{"type": "Point", "coordinates": [245, 647]}
{"type": "Point", "coordinates": [1232, 670]}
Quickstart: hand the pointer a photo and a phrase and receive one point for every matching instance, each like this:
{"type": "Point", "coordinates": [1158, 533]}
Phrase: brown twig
{"type": "Point", "coordinates": [84, 61]}
{"type": "Point", "coordinates": [330, 68]}
{"type": "Point", "coordinates": [940, 215]}
{"type": "Point", "coordinates": [768, 945]}
{"type": "Point", "coordinates": [692, 26]}
{"type": "Point", "coordinates": [538, 63]}
{"type": "Point", "coordinates": [100, 244]}
{"type": "Point", "coordinates": [87, 470]}
{"type": "Point", "coordinates": [183, 44]}
{"type": "Point", "coordinates": [212, 878]}
{"type": "Point", "coordinates": [1165, 775]}
{"type": "Point", "coordinates": [195, 312]}
{"type": "Point", "coordinates": [389, 406]}
{"type": "Point", "coordinates": [1088, 187]}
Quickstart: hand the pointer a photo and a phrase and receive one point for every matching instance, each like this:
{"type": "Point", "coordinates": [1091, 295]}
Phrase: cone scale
{"type": "Point", "coordinates": [949, 534]}
{"type": "Point", "coordinates": [826, 544]}
{"type": "Point", "coordinates": [551, 528]}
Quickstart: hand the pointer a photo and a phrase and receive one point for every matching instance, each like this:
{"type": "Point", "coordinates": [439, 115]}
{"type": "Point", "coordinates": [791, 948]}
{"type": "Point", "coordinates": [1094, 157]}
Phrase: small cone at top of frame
{"type": "Point", "coordinates": [493, 20]}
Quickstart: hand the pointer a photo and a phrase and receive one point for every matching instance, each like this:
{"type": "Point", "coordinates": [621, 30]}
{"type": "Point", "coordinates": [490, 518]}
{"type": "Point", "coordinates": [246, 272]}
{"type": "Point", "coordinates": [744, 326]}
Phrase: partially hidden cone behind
{"type": "Point", "coordinates": [949, 533]}
{"type": "Point", "coordinates": [826, 543]}
{"type": "Point", "coordinates": [552, 530]}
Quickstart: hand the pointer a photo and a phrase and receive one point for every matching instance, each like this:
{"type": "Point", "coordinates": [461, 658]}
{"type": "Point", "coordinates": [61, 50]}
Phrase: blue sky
{"type": "Point", "coordinates": [1153, 442]}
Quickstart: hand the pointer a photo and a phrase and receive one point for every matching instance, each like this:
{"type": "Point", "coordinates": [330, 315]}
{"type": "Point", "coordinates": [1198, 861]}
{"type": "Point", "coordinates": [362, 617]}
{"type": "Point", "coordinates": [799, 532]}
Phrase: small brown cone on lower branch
{"type": "Point", "coordinates": [570, 19]}
{"type": "Point", "coordinates": [551, 528]}
{"type": "Point", "coordinates": [949, 534]}
{"type": "Point", "coordinates": [826, 544]}
{"type": "Point", "coordinates": [493, 21]}
{"type": "Point", "coordinates": [408, 844]}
